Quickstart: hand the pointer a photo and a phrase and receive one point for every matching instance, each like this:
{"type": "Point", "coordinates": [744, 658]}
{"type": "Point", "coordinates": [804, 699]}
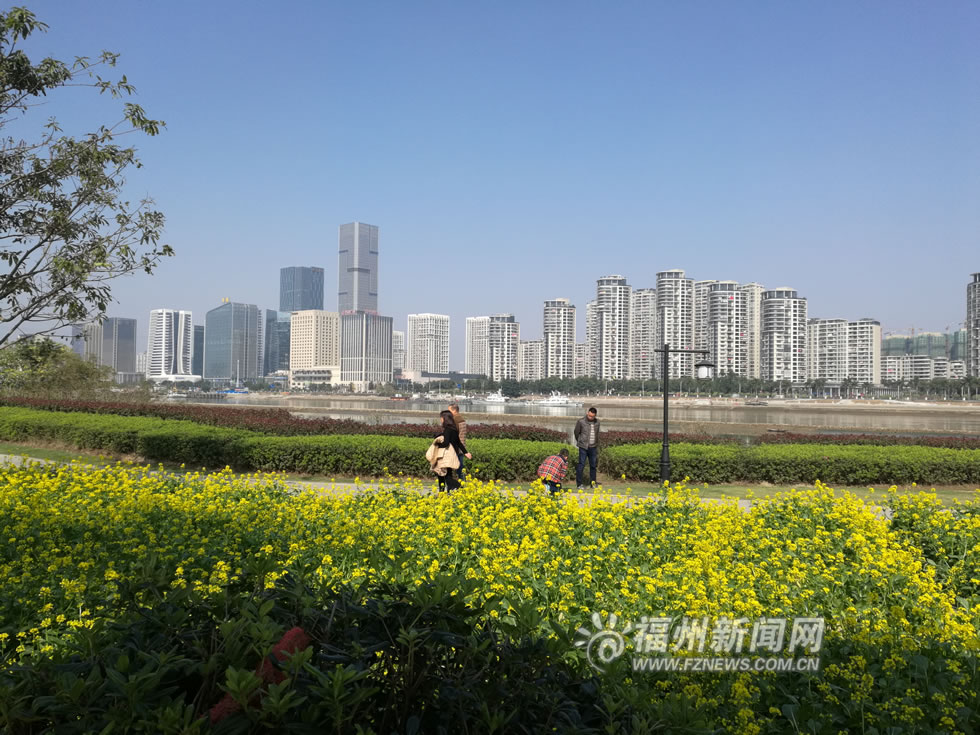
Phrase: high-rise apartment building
{"type": "Point", "coordinates": [701, 291]}
{"type": "Point", "coordinates": [864, 352]}
{"type": "Point", "coordinates": [530, 359]}
{"type": "Point", "coordinates": [170, 346]}
{"type": "Point", "coordinates": [675, 320]}
{"type": "Point", "coordinates": [427, 343]}
{"type": "Point", "coordinates": [477, 360]}
{"type": "Point", "coordinates": [559, 339]}
{"type": "Point", "coordinates": [314, 340]}
{"type": "Point", "coordinates": [397, 352]}
{"type": "Point", "coordinates": [783, 335]}
{"type": "Point", "coordinates": [581, 368]}
{"type": "Point", "coordinates": [300, 288]}
{"type": "Point", "coordinates": [358, 269]}
{"type": "Point", "coordinates": [972, 325]}
{"type": "Point", "coordinates": [592, 338]}
{"type": "Point", "coordinates": [643, 333]}
{"type": "Point", "coordinates": [827, 350]}
{"type": "Point", "coordinates": [727, 342]}
{"type": "Point", "coordinates": [503, 337]}
{"type": "Point", "coordinates": [197, 352]}
{"type": "Point", "coordinates": [612, 314]}
{"type": "Point", "coordinates": [365, 349]}
{"type": "Point", "coordinates": [233, 343]}
{"type": "Point", "coordinates": [752, 301]}
{"type": "Point", "coordinates": [277, 339]}
{"type": "Point", "coordinates": [141, 363]}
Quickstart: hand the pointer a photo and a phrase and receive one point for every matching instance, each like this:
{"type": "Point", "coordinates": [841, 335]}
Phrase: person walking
{"type": "Point", "coordinates": [451, 440]}
{"type": "Point", "coordinates": [587, 441]}
{"type": "Point", "coordinates": [461, 428]}
{"type": "Point", "coordinates": [553, 470]}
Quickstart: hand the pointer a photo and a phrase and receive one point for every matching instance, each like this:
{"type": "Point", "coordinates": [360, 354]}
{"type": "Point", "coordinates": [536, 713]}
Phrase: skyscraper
{"type": "Point", "coordinates": [972, 325]}
{"type": "Point", "coordinates": [530, 359]}
{"type": "Point", "coordinates": [365, 349]}
{"type": "Point", "coordinates": [592, 339]}
{"type": "Point", "coordinates": [109, 343]}
{"type": "Point", "coordinates": [277, 327]}
{"type": "Point", "coordinates": [701, 291]}
{"type": "Point", "coordinates": [559, 339]}
{"type": "Point", "coordinates": [643, 333]}
{"type": "Point", "coordinates": [397, 352]}
{"type": "Point", "coordinates": [726, 340]}
{"type": "Point", "coordinates": [783, 335]}
{"type": "Point", "coordinates": [300, 288]}
{"type": "Point", "coordinates": [503, 337]}
{"type": "Point", "coordinates": [864, 352]}
{"type": "Point", "coordinates": [826, 357]}
{"type": "Point", "coordinates": [613, 296]}
{"type": "Point", "coordinates": [358, 268]}
{"type": "Point", "coordinates": [232, 343]}
{"type": "Point", "coordinates": [427, 343]}
{"type": "Point", "coordinates": [477, 361]}
{"type": "Point", "coordinates": [170, 346]}
{"type": "Point", "coordinates": [675, 320]}
{"type": "Point", "coordinates": [752, 299]}
{"type": "Point", "coordinates": [197, 354]}
{"type": "Point", "coordinates": [314, 339]}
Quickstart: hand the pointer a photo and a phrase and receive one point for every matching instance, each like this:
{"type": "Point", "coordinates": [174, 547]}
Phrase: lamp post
{"type": "Point", "coordinates": [703, 368]}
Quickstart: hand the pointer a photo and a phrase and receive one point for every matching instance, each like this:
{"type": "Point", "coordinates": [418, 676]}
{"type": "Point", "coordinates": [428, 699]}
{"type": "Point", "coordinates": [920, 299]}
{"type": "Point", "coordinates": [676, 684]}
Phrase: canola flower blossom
{"type": "Point", "coordinates": [73, 536]}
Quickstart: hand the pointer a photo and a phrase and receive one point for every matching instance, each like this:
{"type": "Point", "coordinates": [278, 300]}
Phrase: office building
{"type": "Point", "coordinates": [530, 359]}
{"type": "Point", "coordinates": [197, 353]}
{"type": "Point", "coordinates": [726, 339]}
{"type": "Point", "coordinates": [397, 352]}
{"type": "Point", "coordinates": [427, 343]}
{"type": "Point", "coordinates": [277, 341]}
{"type": "Point", "coordinates": [559, 339]}
{"type": "Point", "coordinates": [170, 346]}
{"type": "Point", "coordinates": [110, 342]}
{"type": "Point", "coordinates": [232, 343]}
{"type": "Point", "coordinates": [783, 335]}
{"type": "Point", "coordinates": [643, 333]}
{"type": "Point", "coordinates": [612, 315]}
{"type": "Point", "coordinates": [300, 289]}
{"type": "Point", "coordinates": [972, 325]}
{"type": "Point", "coordinates": [752, 303]}
{"type": "Point", "coordinates": [477, 359]}
{"type": "Point", "coordinates": [675, 320]}
{"type": "Point", "coordinates": [358, 269]}
{"type": "Point", "coordinates": [314, 348]}
{"type": "Point", "coordinates": [503, 337]}
{"type": "Point", "coordinates": [86, 341]}
{"type": "Point", "coordinates": [365, 350]}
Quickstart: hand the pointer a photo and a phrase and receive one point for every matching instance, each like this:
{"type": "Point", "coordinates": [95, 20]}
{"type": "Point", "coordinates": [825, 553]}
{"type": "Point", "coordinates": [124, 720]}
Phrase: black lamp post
{"type": "Point", "coordinates": [703, 368]}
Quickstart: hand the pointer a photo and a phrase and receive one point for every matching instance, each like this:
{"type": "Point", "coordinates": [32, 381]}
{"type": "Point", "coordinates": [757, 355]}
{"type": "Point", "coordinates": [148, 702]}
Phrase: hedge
{"type": "Point", "coordinates": [781, 464]}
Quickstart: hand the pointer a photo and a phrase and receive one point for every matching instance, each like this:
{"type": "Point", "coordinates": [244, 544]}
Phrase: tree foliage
{"type": "Point", "coordinates": [42, 367]}
{"type": "Point", "coordinates": [66, 230]}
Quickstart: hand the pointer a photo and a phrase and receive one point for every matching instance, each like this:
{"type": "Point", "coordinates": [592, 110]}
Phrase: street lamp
{"type": "Point", "coordinates": [704, 368]}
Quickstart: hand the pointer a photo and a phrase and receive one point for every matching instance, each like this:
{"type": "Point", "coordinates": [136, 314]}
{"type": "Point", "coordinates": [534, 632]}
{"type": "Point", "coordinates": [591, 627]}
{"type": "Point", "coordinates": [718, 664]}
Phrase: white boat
{"type": "Point", "coordinates": [557, 399]}
{"type": "Point", "coordinates": [493, 399]}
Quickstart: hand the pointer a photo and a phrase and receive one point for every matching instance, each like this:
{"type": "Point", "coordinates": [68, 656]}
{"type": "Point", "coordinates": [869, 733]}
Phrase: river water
{"type": "Point", "coordinates": [714, 417]}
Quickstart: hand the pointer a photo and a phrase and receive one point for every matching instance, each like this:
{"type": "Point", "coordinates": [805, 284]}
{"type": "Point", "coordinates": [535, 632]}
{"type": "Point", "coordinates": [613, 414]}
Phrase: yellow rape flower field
{"type": "Point", "coordinates": [893, 590]}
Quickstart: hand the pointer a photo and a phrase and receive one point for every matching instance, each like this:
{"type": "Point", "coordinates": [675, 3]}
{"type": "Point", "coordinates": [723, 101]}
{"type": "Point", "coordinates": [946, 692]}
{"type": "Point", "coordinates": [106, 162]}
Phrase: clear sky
{"type": "Point", "coordinates": [513, 152]}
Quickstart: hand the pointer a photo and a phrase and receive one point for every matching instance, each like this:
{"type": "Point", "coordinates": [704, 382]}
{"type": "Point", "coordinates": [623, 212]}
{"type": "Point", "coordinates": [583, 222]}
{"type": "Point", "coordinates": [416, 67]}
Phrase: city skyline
{"type": "Point", "coordinates": [746, 142]}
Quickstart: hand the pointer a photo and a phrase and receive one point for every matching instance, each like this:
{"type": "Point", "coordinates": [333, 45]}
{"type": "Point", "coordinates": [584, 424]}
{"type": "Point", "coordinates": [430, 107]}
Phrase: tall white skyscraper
{"type": "Point", "coordinates": [701, 291]}
{"type": "Point", "coordinates": [752, 298]}
{"type": "Point", "coordinates": [170, 346]}
{"type": "Point", "coordinates": [973, 327]}
{"type": "Point", "coordinates": [826, 357]}
{"type": "Point", "coordinates": [504, 336]}
{"type": "Point", "coordinates": [427, 343]}
{"type": "Point", "coordinates": [397, 352]}
{"type": "Point", "coordinates": [477, 360]}
{"type": "Point", "coordinates": [592, 339]}
{"type": "Point", "coordinates": [783, 335]}
{"type": "Point", "coordinates": [358, 268]}
{"type": "Point", "coordinates": [559, 339]}
{"type": "Point", "coordinates": [675, 320]}
{"type": "Point", "coordinates": [727, 342]}
{"type": "Point", "coordinates": [314, 339]}
{"type": "Point", "coordinates": [581, 369]}
{"type": "Point", "coordinates": [530, 359]}
{"type": "Point", "coordinates": [864, 351]}
{"type": "Point", "coordinates": [613, 297]}
{"type": "Point", "coordinates": [643, 333]}
{"type": "Point", "coordinates": [365, 349]}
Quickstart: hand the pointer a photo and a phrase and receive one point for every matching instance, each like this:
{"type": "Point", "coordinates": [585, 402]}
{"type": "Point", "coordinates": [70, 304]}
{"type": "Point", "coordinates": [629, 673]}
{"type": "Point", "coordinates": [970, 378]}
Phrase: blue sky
{"type": "Point", "coordinates": [513, 152]}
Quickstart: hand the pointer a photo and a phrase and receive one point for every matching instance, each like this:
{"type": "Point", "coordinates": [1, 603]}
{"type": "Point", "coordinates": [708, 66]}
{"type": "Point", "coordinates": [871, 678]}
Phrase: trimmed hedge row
{"type": "Point", "coordinates": [781, 463]}
{"type": "Point", "coordinates": [504, 459]}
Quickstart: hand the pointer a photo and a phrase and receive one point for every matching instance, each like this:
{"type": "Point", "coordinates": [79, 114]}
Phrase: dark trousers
{"type": "Point", "coordinates": [552, 487]}
{"type": "Point", "coordinates": [449, 481]}
{"type": "Point", "coordinates": [592, 453]}
{"type": "Point", "coordinates": [459, 472]}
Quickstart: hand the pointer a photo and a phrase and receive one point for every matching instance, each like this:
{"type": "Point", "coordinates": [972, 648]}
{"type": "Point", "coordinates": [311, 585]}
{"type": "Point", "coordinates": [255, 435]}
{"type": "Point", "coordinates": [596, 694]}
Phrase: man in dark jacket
{"type": "Point", "coordinates": [587, 440]}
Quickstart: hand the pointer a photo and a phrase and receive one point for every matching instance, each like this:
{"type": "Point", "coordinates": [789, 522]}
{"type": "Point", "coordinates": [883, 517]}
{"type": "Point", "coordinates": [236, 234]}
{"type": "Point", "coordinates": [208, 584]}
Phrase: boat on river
{"type": "Point", "coordinates": [557, 399]}
{"type": "Point", "coordinates": [493, 399]}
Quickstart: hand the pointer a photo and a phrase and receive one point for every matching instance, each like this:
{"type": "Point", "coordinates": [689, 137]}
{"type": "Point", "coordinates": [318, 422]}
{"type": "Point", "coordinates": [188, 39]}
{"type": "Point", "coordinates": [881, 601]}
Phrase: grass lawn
{"type": "Point", "coordinates": [614, 486]}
